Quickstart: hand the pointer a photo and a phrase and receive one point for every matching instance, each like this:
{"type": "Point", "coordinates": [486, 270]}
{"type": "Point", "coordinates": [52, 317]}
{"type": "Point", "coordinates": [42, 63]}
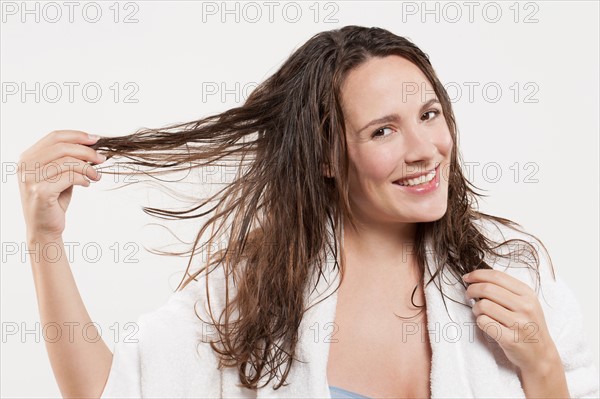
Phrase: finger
{"type": "Point", "coordinates": [65, 164]}
{"type": "Point", "coordinates": [56, 151]}
{"type": "Point", "coordinates": [496, 293]}
{"type": "Point", "coordinates": [500, 278]}
{"type": "Point", "coordinates": [59, 183]}
{"type": "Point", "coordinates": [497, 312]}
{"type": "Point", "coordinates": [493, 328]}
{"type": "Point", "coordinates": [58, 136]}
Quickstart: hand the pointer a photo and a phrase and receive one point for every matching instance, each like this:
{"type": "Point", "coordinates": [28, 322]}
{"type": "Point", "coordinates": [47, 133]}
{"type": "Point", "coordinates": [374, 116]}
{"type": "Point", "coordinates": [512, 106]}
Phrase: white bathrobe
{"type": "Point", "coordinates": [168, 360]}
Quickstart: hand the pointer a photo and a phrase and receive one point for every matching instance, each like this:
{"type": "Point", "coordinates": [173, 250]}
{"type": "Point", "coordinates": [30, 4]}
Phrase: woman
{"type": "Point", "coordinates": [351, 213]}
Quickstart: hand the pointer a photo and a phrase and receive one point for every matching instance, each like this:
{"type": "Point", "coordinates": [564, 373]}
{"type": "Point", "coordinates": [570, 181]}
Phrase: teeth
{"type": "Point", "coordinates": [419, 180]}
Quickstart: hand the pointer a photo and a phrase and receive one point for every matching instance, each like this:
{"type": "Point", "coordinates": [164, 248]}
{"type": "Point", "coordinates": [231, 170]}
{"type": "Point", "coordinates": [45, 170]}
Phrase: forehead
{"type": "Point", "coordinates": [384, 82]}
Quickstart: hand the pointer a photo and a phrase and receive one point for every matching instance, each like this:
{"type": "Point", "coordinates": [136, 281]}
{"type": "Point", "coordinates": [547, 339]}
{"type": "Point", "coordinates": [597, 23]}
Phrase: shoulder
{"type": "Point", "coordinates": [167, 356]}
{"type": "Point", "coordinates": [178, 333]}
{"type": "Point", "coordinates": [188, 307]}
{"type": "Point", "coordinates": [562, 311]}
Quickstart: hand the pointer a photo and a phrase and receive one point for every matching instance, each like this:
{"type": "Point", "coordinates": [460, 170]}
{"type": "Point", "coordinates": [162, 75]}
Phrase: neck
{"type": "Point", "coordinates": [380, 247]}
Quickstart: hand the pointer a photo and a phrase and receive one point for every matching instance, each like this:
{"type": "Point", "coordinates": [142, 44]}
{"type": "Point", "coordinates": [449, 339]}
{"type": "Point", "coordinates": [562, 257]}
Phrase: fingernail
{"type": "Point", "coordinates": [102, 157]}
{"type": "Point", "coordinates": [93, 137]}
{"type": "Point", "coordinates": [465, 276]}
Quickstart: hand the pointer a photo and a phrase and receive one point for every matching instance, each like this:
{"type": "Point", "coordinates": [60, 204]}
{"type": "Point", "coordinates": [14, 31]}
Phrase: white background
{"type": "Point", "coordinates": [174, 50]}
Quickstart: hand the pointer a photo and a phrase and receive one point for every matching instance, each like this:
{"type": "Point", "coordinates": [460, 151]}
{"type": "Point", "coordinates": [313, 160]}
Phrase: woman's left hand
{"type": "Point", "coordinates": [509, 312]}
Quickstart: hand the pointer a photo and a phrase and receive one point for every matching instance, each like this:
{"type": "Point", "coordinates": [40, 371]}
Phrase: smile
{"type": "Point", "coordinates": [421, 185]}
{"type": "Point", "coordinates": [418, 180]}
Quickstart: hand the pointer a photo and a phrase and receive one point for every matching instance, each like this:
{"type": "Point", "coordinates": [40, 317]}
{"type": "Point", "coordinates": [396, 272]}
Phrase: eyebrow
{"type": "Point", "coordinates": [395, 117]}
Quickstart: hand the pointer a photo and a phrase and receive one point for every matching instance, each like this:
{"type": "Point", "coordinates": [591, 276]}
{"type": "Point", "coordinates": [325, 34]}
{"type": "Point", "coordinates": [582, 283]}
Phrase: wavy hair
{"type": "Point", "coordinates": [277, 208]}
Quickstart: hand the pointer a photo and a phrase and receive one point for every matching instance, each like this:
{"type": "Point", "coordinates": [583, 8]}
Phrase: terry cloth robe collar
{"type": "Point", "coordinates": [166, 359]}
{"type": "Point", "coordinates": [464, 363]}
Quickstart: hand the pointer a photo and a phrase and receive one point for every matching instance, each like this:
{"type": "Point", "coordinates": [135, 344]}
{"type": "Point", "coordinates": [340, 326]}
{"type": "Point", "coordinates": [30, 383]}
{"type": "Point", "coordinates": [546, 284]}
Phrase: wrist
{"type": "Point", "coordinates": [546, 367]}
{"type": "Point", "coordinates": [36, 239]}
{"type": "Point", "coordinates": [546, 380]}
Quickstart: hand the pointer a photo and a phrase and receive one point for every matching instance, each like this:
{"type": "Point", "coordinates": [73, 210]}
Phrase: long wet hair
{"type": "Point", "coordinates": [274, 214]}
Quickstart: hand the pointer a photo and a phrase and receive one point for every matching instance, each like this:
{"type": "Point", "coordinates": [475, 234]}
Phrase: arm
{"type": "Point", "coordinates": [548, 381]}
{"type": "Point", "coordinates": [81, 367]}
{"type": "Point", "coordinates": [568, 354]}
{"type": "Point", "coordinates": [573, 346]}
{"type": "Point", "coordinates": [570, 361]}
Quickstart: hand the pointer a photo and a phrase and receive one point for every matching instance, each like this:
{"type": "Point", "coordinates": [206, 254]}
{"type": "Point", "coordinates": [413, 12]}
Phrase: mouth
{"type": "Point", "coordinates": [423, 179]}
{"type": "Point", "coordinates": [420, 185]}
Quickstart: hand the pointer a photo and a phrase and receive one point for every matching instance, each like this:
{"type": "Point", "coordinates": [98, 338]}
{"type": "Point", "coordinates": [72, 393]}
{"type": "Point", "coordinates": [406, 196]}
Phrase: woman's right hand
{"type": "Point", "coordinates": [47, 172]}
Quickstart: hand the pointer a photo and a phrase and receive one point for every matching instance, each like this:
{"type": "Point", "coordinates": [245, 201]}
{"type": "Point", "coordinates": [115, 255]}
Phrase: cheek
{"type": "Point", "coordinates": [376, 164]}
{"type": "Point", "coordinates": [443, 141]}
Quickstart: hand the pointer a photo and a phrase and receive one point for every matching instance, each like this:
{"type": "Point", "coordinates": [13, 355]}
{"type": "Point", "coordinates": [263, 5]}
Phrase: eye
{"type": "Point", "coordinates": [435, 112]}
{"type": "Point", "coordinates": [381, 129]}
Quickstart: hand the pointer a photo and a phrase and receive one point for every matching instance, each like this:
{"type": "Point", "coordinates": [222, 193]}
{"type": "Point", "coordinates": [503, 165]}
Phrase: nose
{"type": "Point", "coordinates": [419, 149]}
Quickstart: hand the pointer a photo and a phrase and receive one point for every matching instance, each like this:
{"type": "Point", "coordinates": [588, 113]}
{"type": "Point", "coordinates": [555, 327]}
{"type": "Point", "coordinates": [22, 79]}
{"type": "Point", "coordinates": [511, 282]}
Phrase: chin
{"type": "Point", "coordinates": [429, 216]}
{"type": "Point", "coordinates": [433, 218]}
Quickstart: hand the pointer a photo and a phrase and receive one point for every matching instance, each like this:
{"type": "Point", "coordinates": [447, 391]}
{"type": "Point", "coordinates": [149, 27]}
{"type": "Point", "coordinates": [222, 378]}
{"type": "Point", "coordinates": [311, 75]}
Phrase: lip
{"type": "Point", "coordinates": [415, 175]}
{"type": "Point", "coordinates": [422, 188]}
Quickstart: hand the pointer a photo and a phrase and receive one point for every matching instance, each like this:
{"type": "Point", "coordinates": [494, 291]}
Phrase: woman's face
{"type": "Point", "coordinates": [413, 138]}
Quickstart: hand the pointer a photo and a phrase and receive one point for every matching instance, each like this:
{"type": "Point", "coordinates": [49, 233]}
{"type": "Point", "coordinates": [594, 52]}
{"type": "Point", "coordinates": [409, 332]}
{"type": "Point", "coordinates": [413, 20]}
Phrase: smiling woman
{"type": "Point", "coordinates": [349, 170]}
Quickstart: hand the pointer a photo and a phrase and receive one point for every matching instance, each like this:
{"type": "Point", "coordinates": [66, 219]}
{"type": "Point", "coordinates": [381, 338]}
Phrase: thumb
{"type": "Point", "coordinates": [64, 198]}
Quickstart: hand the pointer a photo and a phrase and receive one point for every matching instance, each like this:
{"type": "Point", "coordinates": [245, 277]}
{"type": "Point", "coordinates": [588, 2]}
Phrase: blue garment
{"type": "Point", "coordinates": [344, 394]}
